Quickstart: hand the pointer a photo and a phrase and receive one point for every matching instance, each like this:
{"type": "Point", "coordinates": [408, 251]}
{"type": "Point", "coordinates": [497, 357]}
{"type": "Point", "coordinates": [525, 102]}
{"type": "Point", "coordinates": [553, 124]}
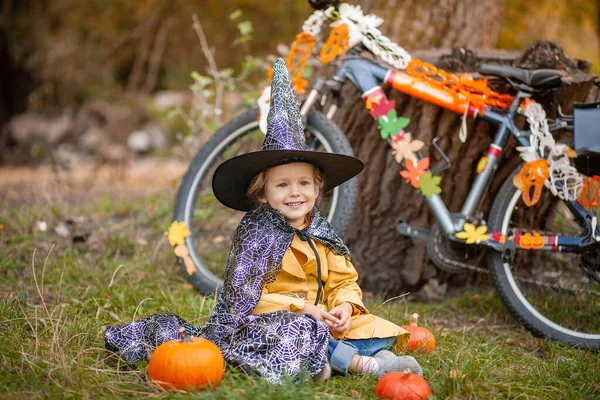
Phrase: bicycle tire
{"type": "Point", "coordinates": [323, 134]}
{"type": "Point", "coordinates": [521, 288]}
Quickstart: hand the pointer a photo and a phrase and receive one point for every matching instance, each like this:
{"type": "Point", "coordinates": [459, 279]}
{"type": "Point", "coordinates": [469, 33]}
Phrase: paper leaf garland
{"type": "Point", "coordinates": [498, 237]}
{"type": "Point", "coordinates": [390, 125]}
{"type": "Point", "coordinates": [382, 108]}
{"type": "Point", "coordinates": [430, 184]}
{"type": "Point", "coordinates": [406, 147]}
{"type": "Point", "coordinates": [177, 233]}
{"type": "Point", "coordinates": [473, 234]}
{"type": "Point", "coordinates": [415, 170]}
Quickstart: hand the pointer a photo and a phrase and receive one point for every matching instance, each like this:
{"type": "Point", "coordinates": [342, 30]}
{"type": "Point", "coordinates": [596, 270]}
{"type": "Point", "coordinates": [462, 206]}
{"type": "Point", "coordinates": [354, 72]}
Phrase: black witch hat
{"type": "Point", "coordinates": [284, 143]}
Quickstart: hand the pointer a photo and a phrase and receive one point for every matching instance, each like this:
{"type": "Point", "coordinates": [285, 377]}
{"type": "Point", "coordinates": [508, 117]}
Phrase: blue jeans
{"type": "Point", "coordinates": [341, 352]}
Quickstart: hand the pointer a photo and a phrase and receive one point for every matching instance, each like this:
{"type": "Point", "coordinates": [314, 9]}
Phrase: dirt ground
{"type": "Point", "coordinates": [133, 179]}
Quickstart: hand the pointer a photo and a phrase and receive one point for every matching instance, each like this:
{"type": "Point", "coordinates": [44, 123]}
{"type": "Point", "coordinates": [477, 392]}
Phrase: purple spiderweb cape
{"type": "Point", "coordinates": [273, 345]}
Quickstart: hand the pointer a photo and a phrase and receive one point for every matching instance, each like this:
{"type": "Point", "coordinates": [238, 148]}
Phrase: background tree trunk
{"type": "Point", "coordinates": [387, 262]}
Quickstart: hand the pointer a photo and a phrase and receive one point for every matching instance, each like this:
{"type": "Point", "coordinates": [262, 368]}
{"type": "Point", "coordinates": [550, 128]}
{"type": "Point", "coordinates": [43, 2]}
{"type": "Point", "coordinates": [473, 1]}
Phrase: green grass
{"type": "Point", "coordinates": [57, 297]}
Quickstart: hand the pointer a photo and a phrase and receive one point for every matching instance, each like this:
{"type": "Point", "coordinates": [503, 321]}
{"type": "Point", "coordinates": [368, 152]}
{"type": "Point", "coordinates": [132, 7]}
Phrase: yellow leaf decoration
{"type": "Point", "coordinates": [177, 233]}
{"type": "Point", "coordinates": [473, 234]}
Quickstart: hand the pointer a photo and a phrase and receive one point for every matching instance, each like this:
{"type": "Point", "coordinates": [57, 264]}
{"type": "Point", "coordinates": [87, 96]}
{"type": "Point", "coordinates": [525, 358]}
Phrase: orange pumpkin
{"type": "Point", "coordinates": [186, 364]}
{"type": "Point", "coordinates": [402, 385]}
{"type": "Point", "coordinates": [421, 339]}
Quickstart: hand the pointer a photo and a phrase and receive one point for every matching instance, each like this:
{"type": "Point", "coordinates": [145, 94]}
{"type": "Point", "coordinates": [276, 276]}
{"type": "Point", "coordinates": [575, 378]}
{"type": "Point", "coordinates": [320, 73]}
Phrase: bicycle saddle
{"type": "Point", "coordinates": [534, 78]}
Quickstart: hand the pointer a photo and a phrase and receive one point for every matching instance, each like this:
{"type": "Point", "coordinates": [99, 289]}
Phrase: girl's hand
{"type": "Point", "coordinates": [320, 314]}
{"type": "Point", "coordinates": [344, 313]}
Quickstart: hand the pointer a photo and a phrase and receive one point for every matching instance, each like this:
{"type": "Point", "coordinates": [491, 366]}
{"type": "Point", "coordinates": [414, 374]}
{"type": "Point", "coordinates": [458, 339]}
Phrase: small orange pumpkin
{"type": "Point", "coordinates": [402, 385]}
{"type": "Point", "coordinates": [421, 339]}
{"type": "Point", "coordinates": [186, 364]}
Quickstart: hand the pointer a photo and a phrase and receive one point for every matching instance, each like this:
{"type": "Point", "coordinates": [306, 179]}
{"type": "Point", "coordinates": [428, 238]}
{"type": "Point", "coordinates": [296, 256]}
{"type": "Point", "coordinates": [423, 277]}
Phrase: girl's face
{"type": "Point", "coordinates": [291, 188]}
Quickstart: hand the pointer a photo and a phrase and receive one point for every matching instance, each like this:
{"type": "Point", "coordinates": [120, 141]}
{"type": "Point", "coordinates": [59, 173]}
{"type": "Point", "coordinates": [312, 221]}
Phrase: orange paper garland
{"type": "Point", "coordinates": [589, 193]}
{"type": "Point", "coordinates": [460, 86]}
{"type": "Point", "coordinates": [336, 44]}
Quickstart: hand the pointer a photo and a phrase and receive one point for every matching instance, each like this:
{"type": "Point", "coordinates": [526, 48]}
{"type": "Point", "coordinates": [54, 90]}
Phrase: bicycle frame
{"type": "Point", "coordinates": [367, 76]}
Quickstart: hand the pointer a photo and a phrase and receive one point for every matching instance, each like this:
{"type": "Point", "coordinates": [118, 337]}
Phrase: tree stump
{"type": "Point", "coordinates": [387, 262]}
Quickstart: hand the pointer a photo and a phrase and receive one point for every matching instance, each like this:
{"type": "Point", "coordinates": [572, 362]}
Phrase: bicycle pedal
{"type": "Point", "coordinates": [406, 229]}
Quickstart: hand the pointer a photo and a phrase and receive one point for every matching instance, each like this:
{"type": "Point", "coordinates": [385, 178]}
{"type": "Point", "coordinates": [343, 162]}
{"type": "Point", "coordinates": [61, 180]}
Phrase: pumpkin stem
{"type": "Point", "coordinates": [413, 319]}
{"type": "Point", "coordinates": [184, 336]}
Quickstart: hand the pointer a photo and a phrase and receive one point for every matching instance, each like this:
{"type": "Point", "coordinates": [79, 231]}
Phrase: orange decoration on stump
{"type": "Point", "coordinates": [402, 386]}
{"type": "Point", "coordinates": [589, 193]}
{"type": "Point", "coordinates": [532, 175]}
{"type": "Point", "coordinates": [336, 44]}
{"type": "Point", "coordinates": [421, 339]}
{"type": "Point", "coordinates": [186, 364]}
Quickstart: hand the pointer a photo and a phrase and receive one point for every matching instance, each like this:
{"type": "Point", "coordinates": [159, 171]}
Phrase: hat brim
{"type": "Point", "coordinates": [232, 178]}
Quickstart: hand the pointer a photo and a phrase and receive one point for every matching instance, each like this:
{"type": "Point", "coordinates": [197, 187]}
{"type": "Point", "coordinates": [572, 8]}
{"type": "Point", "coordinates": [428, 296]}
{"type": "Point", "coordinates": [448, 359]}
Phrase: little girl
{"type": "Point", "coordinates": [290, 303]}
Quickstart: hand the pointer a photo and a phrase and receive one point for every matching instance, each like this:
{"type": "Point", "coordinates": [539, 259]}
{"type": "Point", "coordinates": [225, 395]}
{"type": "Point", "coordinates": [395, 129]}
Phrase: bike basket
{"type": "Point", "coordinates": [587, 128]}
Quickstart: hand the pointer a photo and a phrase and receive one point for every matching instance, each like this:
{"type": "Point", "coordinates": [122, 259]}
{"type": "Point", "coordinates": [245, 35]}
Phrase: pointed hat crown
{"type": "Point", "coordinates": [285, 130]}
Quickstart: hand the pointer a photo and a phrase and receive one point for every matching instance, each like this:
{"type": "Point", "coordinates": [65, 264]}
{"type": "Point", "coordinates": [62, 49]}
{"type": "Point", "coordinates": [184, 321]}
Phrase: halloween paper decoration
{"type": "Point", "coordinates": [391, 124]}
{"type": "Point", "coordinates": [542, 144]}
{"type": "Point", "coordinates": [429, 184]}
{"type": "Point", "coordinates": [482, 164]}
{"type": "Point", "coordinates": [462, 87]}
{"type": "Point", "coordinates": [529, 241]}
{"type": "Point", "coordinates": [415, 170]}
{"type": "Point", "coordinates": [336, 44]}
{"type": "Point", "coordinates": [182, 252]}
{"type": "Point", "coordinates": [405, 147]}
{"type": "Point", "coordinates": [177, 233]}
{"type": "Point", "coordinates": [589, 193]}
{"type": "Point", "coordinates": [361, 28]}
{"type": "Point", "coordinates": [296, 60]}
{"type": "Point", "coordinates": [532, 175]}
{"type": "Point", "coordinates": [381, 108]}
{"type": "Point", "coordinates": [473, 234]}
{"type": "Point", "coordinates": [498, 237]}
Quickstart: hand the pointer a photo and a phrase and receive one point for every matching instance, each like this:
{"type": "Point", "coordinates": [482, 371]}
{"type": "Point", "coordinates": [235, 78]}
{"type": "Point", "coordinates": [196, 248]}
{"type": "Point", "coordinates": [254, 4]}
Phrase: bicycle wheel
{"type": "Point", "coordinates": [211, 224]}
{"type": "Point", "coordinates": [553, 294]}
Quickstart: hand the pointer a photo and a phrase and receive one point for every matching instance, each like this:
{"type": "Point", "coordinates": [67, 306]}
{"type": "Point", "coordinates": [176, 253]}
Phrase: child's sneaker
{"type": "Point", "coordinates": [389, 362]}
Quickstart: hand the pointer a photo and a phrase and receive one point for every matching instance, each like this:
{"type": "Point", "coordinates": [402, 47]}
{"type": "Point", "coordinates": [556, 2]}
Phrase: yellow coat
{"type": "Point", "coordinates": [296, 283]}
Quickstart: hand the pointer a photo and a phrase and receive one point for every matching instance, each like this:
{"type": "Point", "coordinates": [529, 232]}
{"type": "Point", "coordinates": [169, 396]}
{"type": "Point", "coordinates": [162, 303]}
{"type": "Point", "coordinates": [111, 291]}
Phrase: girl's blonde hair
{"type": "Point", "coordinates": [258, 184]}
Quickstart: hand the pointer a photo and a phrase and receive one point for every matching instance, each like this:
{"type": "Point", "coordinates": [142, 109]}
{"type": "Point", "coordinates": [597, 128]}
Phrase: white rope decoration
{"type": "Point", "coordinates": [361, 28]}
{"type": "Point", "coordinates": [542, 144]}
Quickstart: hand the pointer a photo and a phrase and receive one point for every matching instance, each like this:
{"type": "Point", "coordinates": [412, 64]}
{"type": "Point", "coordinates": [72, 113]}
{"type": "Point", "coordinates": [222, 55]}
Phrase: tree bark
{"type": "Point", "coordinates": [387, 262]}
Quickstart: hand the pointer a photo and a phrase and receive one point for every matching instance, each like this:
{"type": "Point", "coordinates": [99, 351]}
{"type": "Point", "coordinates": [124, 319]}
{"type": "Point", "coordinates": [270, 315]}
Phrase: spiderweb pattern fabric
{"type": "Point", "coordinates": [285, 130]}
{"type": "Point", "coordinates": [272, 345]}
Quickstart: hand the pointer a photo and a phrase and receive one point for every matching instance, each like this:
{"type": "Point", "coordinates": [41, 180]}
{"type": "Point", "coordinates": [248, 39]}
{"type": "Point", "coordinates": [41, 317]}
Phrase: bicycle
{"type": "Point", "coordinates": [542, 246]}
